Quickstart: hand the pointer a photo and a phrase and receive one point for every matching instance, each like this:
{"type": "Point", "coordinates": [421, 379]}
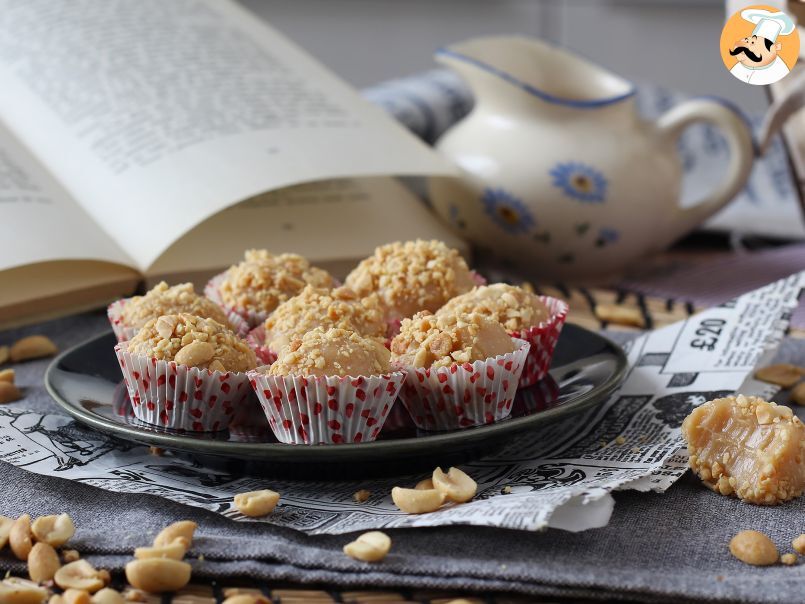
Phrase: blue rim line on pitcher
{"type": "Point", "coordinates": [549, 98]}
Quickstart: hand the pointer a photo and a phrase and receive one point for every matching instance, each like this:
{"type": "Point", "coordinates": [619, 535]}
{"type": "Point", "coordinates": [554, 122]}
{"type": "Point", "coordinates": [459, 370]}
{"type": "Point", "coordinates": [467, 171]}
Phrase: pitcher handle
{"type": "Point", "coordinates": [741, 150]}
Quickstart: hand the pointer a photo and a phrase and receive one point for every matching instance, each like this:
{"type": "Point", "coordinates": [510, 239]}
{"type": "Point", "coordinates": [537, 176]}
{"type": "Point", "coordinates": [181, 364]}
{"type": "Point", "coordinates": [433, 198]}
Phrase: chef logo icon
{"type": "Point", "coordinates": [759, 45]}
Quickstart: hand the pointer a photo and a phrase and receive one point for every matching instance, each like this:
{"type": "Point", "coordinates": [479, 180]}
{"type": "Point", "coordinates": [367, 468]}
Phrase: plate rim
{"type": "Point", "coordinates": [395, 448]}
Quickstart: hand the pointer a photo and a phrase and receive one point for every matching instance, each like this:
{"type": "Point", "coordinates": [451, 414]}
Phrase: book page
{"type": "Point", "coordinates": [334, 224]}
{"type": "Point", "coordinates": [40, 222]}
{"type": "Point", "coordinates": [156, 115]}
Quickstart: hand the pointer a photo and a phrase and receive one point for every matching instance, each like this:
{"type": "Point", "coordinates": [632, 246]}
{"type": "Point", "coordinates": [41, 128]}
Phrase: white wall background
{"type": "Point", "coordinates": [671, 42]}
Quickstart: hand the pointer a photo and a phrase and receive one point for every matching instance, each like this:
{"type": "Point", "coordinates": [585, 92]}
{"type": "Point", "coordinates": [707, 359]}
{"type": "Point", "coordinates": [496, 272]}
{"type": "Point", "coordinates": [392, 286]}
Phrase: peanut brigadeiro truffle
{"type": "Point", "coordinates": [332, 352]}
{"type": "Point", "coordinates": [193, 341]}
{"type": "Point", "coordinates": [165, 300]}
{"type": "Point", "coordinates": [412, 276]}
{"type": "Point", "coordinates": [263, 281]}
{"type": "Point", "coordinates": [511, 306]}
{"type": "Point", "coordinates": [319, 307]}
{"type": "Point", "coordinates": [430, 340]}
{"type": "Point", "coordinates": [747, 447]}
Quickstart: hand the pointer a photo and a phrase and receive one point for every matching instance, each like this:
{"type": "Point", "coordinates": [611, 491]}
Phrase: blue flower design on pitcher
{"type": "Point", "coordinates": [580, 181]}
{"type": "Point", "coordinates": [507, 211]}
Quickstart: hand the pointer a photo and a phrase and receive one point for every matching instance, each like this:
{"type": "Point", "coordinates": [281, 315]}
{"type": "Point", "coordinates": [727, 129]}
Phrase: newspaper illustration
{"type": "Point", "coordinates": [561, 477]}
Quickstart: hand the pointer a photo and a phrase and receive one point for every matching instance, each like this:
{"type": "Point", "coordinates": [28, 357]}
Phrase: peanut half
{"type": "Point", "coordinates": [754, 548]}
{"type": "Point", "coordinates": [455, 485]}
{"type": "Point", "coordinates": [257, 503]}
{"type": "Point", "coordinates": [32, 347]}
{"type": "Point", "coordinates": [620, 315]}
{"type": "Point", "coordinates": [5, 528]}
{"type": "Point", "coordinates": [20, 537]}
{"type": "Point", "coordinates": [20, 591]}
{"type": "Point", "coordinates": [181, 531]}
{"type": "Point", "coordinates": [4, 354]}
{"type": "Point", "coordinates": [43, 562]}
{"type": "Point", "coordinates": [7, 375]}
{"type": "Point", "coordinates": [417, 501]}
{"type": "Point", "coordinates": [369, 547]}
{"type": "Point", "coordinates": [798, 394]}
{"type": "Point", "coordinates": [9, 393]}
{"type": "Point", "coordinates": [157, 575]}
{"type": "Point", "coordinates": [175, 551]}
{"type": "Point", "coordinates": [784, 374]}
{"type": "Point", "coordinates": [53, 530]}
{"type": "Point", "coordinates": [195, 353]}
{"type": "Point", "coordinates": [425, 484]}
{"type": "Point", "coordinates": [247, 599]}
{"type": "Point", "coordinates": [80, 575]}
{"type": "Point", "coordinates": [107, 596]}
{"type": "Point", "coordinates": [69, 555]}
{"type": "Point", "coordinates": [76, 596]}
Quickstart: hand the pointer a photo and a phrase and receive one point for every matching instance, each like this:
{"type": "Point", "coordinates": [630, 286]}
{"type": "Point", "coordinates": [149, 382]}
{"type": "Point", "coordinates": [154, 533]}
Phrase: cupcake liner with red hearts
{"type": "Point", "coordinates": [252, 318]}
{"type": "Point", "coordinates": [178, 397]}
{"type": "Point", "coordinates": [326, 409]}
{"type": "Point", "coordinates": [464, 395]}
{"type": "Point", "coordinates": [543, 338]}
{"type": "Point", "coordinates": [125, 333]}
{"type": "Point", "coordinates": [256, 339]}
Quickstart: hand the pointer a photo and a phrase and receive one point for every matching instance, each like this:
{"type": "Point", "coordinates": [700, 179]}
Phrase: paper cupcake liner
{"type": "Point", "coordinates": [178, 397]}
{"type": "Point", "coordinates": [251, 317]}
{"type": "Point", "coordinates": [464, 395]}
{"type": "Point", "coordinates": [326, 409]}
{"type": "Point", "coordinates": [256, 339]}
{"type": "Point", "coordinates": [543, 338]}
{"type": "Point", "coordinates": [125, 333]}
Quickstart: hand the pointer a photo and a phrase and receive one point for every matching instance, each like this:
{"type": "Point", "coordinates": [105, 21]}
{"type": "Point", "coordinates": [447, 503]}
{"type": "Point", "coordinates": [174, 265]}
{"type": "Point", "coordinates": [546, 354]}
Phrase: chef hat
{"type": "Point", "coordinates": [769, 24]}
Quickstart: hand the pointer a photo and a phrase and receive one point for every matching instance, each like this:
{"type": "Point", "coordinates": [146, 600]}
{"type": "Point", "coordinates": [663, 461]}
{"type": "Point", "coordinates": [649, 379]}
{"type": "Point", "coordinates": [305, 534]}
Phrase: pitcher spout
{"type": "Point", "coordinates": [533, 70]}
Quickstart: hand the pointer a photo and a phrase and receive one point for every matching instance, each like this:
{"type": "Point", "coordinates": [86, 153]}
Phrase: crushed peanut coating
{"type": "Point", "coordinates": [193, 341]}
{"type": "Point", "coordinates": [430, 340]}
{"type": "Point", "coordinates": [412, 276]}
{"type": "Point", "coordinates": [511, 306]}
{"type": "Point", "coordinates": [318, 307]}
{"type": "Point", "coordinates": [263, 281]}
{"type": "Point", "coordinates": [332, 352]}
{"type": "Point", "coordinates": [170, 300]}
{"type": "Point", "coordinates": [747, 447]}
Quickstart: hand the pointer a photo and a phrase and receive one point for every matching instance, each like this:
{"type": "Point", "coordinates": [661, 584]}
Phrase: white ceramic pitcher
{"type": "Point", "coordinates": [559, 173]}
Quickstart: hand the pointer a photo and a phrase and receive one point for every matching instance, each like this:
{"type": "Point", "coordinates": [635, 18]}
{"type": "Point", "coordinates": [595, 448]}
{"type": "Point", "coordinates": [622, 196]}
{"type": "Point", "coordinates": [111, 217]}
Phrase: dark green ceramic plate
{"type": "Point", "coordinates": [87, 383]}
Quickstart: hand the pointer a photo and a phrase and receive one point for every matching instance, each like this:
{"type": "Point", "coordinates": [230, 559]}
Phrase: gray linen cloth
{"type": "Point", "coordinates": [658, 548]}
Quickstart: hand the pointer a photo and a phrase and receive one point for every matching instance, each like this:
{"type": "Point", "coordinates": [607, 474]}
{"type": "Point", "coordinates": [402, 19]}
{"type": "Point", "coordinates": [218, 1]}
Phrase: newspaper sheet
{"type": "Point", "coordinates": [560, 477]}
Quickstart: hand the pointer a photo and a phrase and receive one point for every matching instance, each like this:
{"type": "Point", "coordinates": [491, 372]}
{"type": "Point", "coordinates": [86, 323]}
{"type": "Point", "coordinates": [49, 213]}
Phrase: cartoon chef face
{"type": "Point", "coordinates": [755, 51]}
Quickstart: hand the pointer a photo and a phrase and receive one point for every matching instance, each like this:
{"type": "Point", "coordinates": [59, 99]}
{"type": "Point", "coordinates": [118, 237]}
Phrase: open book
{"type": "Point", "coordinates": [147, 140]}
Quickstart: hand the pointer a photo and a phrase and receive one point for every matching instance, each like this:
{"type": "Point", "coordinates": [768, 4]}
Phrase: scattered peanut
{"type": "Point", "coordinates": [174, 551]}
{"type": "Point", "coordinates": [425, 484]}
{"type": "Point", "coordinates": [69, 555]}
{"type": "Point", "coordinates": [20, 537]}
{"type": "Point", "coordinates": [7, 375]}
{"type": "Point", "coordinates": [369, 547]}
{"type": "Point", "coordinates": [257, 503]}
{"type": "Point", "coordinates": [20, 591]}
{"type": "Point", "coordinates": [107, 595]}
{"type": "Point", "coordinates": [798, 394]}
{"type": "Point", "coordinates": [620, 315]}
{"type": "Point", "coordinates": [53, 530]}
{"type": "Point", "coordinates": [788, 559]}
{"type": "Point", "coordinates": [135, 595]}
{"type": "Point", "coordinates": [361, 496]}
{"type": "Point", "coordinates": [784, 374]}
{"type": "Point", "coordinates": [754, 548]}
{"type": "Point", "coordinates": [456, 486]}
{"type": "Point", "coordinates": [507, 490]}
{"type": "Point", "coordinates": [56, 599]}
{"type": "Point", "coordinates": [254, 598]}
{"type": "Point", "coordinates": [4, 354]}
{"type": "Point", "coordinates": [32, 347]}
{"type": "Point", "coordinates": [417, 501]}
{"type": "Point", "coordinates": [181, 531]}
{"type": "Point", "coordinates": [43, 562]}
{"type": "Point", "coordinates": [799, 544]}
{"type": "Point", "coordinates": [9, 393]}
{"type": "Point", "coordinates": [79, 575]}
{"type": "Point", "coordinates": [76, 596]}
{"type": "Point", "coordinates": [5, 528]}
{"type": "Point", "coordinates": [157, 575]}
